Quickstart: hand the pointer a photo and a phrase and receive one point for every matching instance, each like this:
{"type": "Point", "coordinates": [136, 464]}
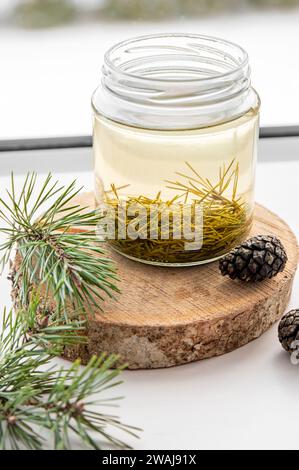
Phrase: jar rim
{"type": "Point", "coordinates": [110, 64]}
{"type": "Point", "coordinates": [174, 80]}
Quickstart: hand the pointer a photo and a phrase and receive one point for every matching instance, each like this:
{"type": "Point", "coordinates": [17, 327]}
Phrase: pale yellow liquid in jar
{"type": "Point", "coordinates": [141, 160]}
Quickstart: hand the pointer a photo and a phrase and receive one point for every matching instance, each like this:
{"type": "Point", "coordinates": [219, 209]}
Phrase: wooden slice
{"type": "Point", "coordinates": [170, 316]}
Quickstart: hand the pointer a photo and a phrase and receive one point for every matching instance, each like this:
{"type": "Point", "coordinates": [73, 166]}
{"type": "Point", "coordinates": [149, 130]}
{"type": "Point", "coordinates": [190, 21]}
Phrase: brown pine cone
{"type": "Point", "coordinates": [256, 259]}
{"type": "Point", "coordinates": [288, 330]}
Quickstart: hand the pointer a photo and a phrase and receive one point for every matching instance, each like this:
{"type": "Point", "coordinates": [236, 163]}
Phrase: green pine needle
{"type": "Point", "coordinates": [72, 265]}
{"type": "Point", "coordinates": [37, 398]}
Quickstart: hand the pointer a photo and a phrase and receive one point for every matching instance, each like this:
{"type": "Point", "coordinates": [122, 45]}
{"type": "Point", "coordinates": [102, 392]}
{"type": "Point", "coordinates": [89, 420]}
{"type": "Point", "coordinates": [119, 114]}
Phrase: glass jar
{"type": "Point", "coordinates": [175, 137]}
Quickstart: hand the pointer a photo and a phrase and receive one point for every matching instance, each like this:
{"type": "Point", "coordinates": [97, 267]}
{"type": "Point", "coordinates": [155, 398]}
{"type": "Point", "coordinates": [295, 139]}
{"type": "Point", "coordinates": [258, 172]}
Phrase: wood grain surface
{"type": "Point", "coordinates": [170, 316]}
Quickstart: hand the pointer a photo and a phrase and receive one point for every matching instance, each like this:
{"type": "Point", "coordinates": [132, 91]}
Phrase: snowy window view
{"type": "Point", "coordinates": [52, 51]}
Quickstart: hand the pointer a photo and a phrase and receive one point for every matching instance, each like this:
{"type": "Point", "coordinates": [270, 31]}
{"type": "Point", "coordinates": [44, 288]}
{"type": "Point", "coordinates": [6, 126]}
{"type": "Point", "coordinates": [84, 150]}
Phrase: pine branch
{"type": "Point", "coordinates": [35, 397]}
{"type": "Point", "coordinates": [48, 330]}
{"type": "Point", "coordinates": [72, 265]}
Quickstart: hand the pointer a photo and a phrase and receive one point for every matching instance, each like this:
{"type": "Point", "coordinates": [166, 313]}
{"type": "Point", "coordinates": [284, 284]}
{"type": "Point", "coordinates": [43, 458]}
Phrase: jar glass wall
{"type": "Point", "coordinates": [175, 130]}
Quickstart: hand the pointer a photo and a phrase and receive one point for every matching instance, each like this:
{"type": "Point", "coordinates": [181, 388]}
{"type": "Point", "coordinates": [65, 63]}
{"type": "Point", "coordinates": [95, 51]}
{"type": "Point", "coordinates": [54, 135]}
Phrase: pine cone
{"type": "Point", "coordinates": [288, 330]}
{"type": "Point", "coordinates": [256, 259]}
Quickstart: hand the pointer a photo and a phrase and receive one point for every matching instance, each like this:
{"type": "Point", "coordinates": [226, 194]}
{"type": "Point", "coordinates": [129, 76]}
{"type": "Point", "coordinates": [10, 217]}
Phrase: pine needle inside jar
{"type": "Point", "coordinates": [225, 219]}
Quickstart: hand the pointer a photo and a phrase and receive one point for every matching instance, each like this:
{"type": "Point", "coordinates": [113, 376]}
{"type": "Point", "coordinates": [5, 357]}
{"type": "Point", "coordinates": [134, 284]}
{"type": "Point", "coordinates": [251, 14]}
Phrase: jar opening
{"type": "Point", "coordinates": [176, 57]}
{"type": "Point", "coordinates": [174, 81]}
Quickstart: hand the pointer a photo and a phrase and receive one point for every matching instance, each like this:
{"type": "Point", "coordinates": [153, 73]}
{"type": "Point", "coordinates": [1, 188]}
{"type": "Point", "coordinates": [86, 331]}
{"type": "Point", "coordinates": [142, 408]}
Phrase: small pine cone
{"type": "Point", "coordinates": [288, 330]}
{"type": "Point", "coordinates": [256, 259]}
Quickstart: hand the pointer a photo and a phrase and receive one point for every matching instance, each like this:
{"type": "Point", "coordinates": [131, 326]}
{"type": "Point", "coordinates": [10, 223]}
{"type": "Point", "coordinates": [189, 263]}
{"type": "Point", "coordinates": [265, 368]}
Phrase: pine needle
{"type": "Point", "coordinates": [74, 266]}
{"type": "Point", "coordinates": [38, 399]}
{"type": "Point", "coordinates": [225, 218]}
